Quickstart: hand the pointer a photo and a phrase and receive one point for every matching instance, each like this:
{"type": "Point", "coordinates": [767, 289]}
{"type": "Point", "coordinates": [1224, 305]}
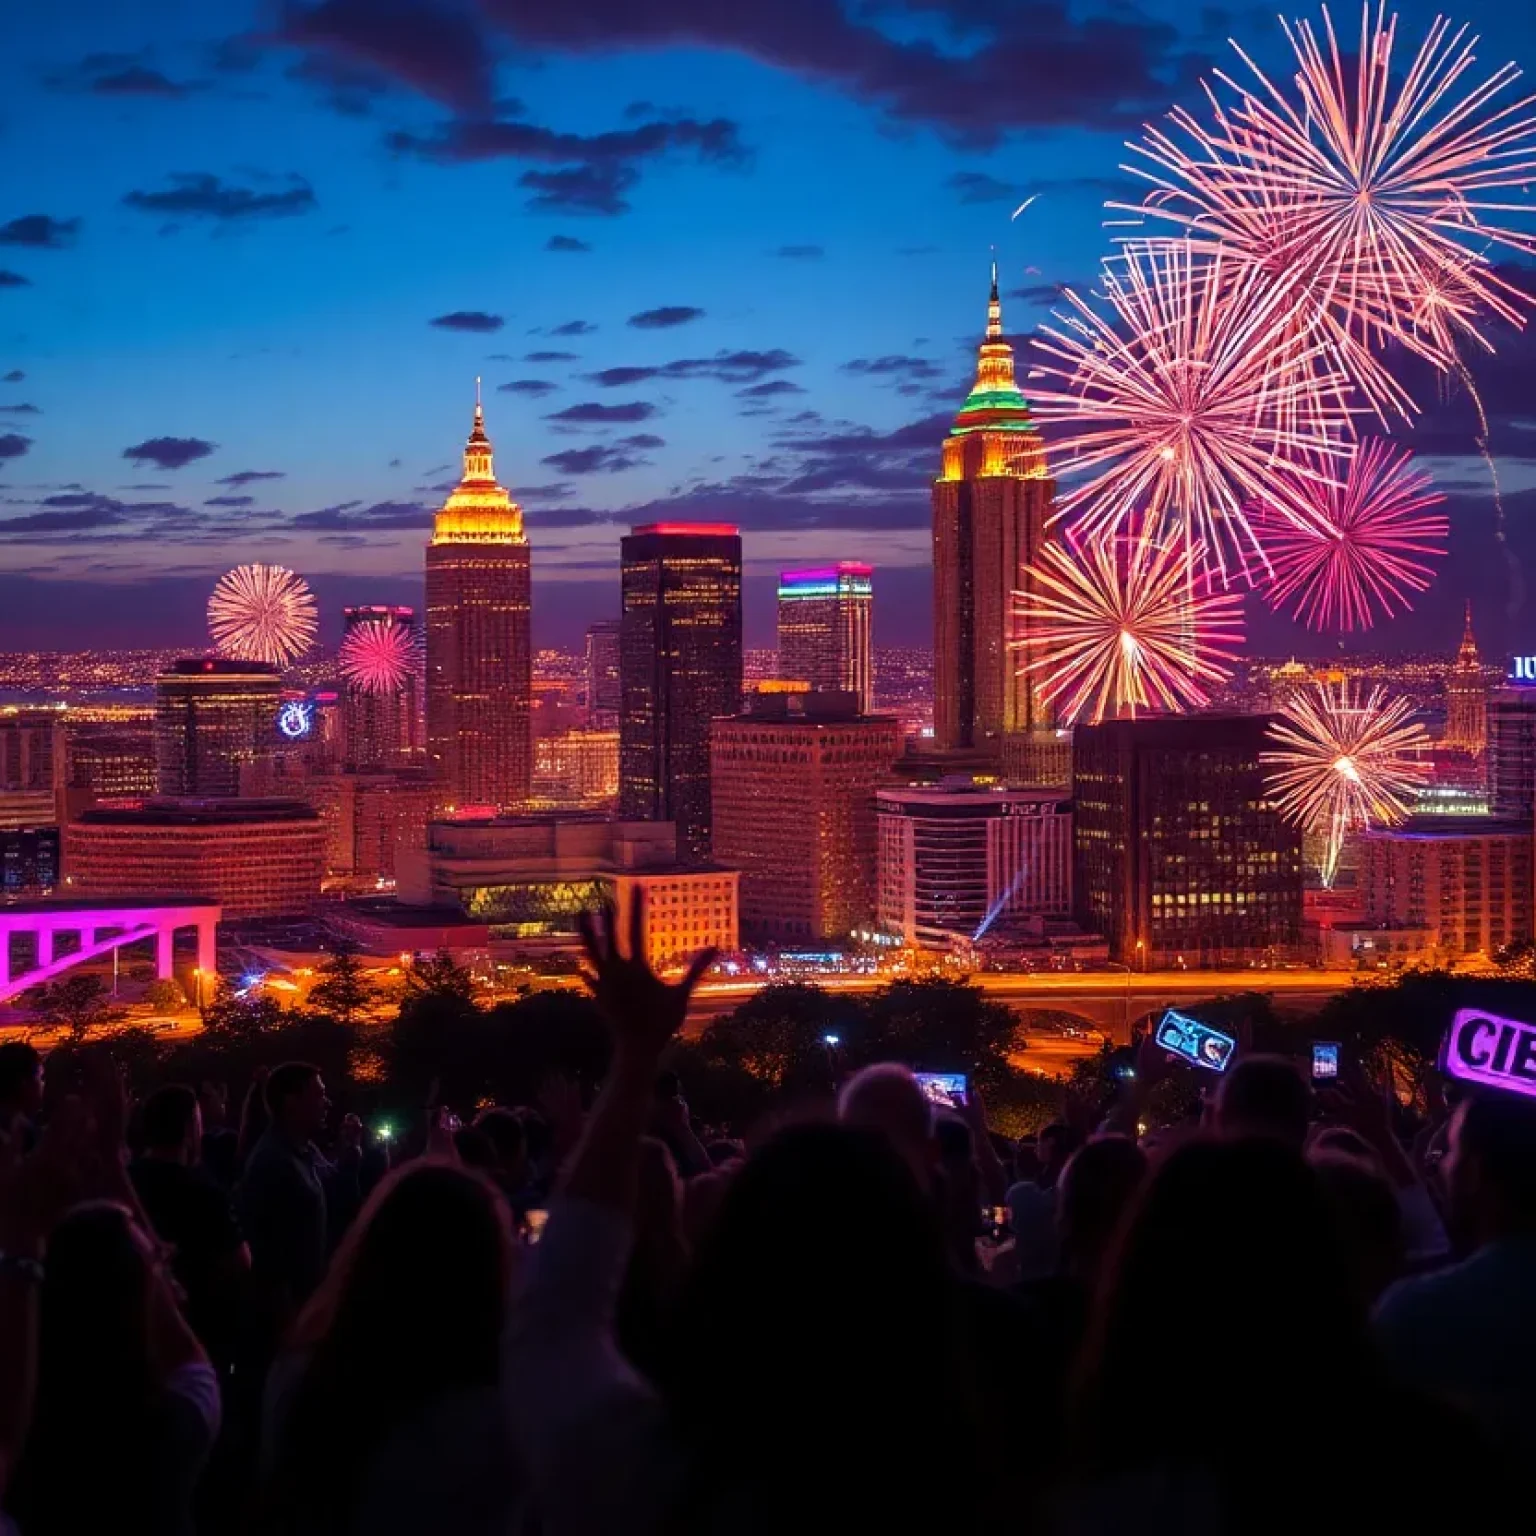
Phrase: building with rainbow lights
{"type": "Point", "coordinates": [991, 503]}
{"type": "Point", "coordinates": [825, 624]}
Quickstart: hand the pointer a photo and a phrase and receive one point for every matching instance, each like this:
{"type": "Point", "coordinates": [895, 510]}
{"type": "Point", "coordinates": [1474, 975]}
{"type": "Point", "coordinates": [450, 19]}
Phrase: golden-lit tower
{"type": "Point", "coordinates": [990, 506]}
{"type": "Point", "coordinates": [1466, 696]}
{"type": "Point", "coordinates": [479, 651]}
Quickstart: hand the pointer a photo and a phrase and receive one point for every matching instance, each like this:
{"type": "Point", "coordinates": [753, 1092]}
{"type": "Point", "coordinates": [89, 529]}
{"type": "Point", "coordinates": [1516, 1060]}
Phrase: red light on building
{"type": "Point", "coordinates": [690, 530]}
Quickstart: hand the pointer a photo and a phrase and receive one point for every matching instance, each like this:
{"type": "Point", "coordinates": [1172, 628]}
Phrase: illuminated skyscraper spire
{"type": "Point", "coordinates": [1466, 696]}
{"type": "Point", "coordinates": [479, 510]}
{"type": "Point", "coordinates": [994, 309]}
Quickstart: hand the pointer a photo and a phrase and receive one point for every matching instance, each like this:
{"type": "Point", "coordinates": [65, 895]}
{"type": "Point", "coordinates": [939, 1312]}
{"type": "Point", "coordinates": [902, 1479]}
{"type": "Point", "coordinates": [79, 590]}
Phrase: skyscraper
{"type": "Point", "coordinates": [479, 652]}
{"type": "Point", "coordinates": [212, 715]}
{"type": "Point", "coordinates": [603, 691]}
{"type": "Point", "coordinates": [381, 692]}
{"type": "Point", "coordinates": [793, 796]}
{"type": "Point", "coordinates": [680, 666]}
{"type": "Point", "coordinates": [1512, 749]}
{"type": "Point", "coordinates": [1466, 697]}
{"type": "Point", "coordinates": [1179, 851]}
{"type": "Point", "coordinates": [990, 505]}
{"type": "Point", "coordinates": [825, 618]}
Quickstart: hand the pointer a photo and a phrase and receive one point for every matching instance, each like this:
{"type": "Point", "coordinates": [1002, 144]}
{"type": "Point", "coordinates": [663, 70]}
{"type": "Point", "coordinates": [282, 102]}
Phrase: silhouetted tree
{"type": "Point", "coordinates": [77, 1002]}
{"type": "Point", "coordinates": [344, 991]}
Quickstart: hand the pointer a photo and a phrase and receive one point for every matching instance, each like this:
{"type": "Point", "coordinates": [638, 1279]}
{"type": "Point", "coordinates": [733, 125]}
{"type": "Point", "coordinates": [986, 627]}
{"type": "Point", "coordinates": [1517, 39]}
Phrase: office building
{"type": "Point", "coordinates": [29, 860]}
{"type": "Point", "coordinates": [680, 665]}
{"type": "Point", "coordinates": [603, 687]}
{"type": "Point", "coordinates": [793, 799]}
{"type": "Point", "coordinates": [1511, 750]}
{"type": "Point", "coordinates": [825, 619]}
{"type": "Point", "coordinates": [1180, 854]}
{"type": "Point", "coordinates": [34, 750]}
{"type": "Point", "coordinates": [381, 664]}
{"type": "Point", "coordinates": [1466, 697]}
{"type": "Point", "coordinates": [527, 878]}
{"type": "Point", "coordinates": [958, 859]}
{"type": "Point", "coordinates": [256, 858]}
{"type": "Point", "coordinates": [212, 715]}
{"type": "Point", "coordinates": [370, 819]}
{"type": "Point", "coordinates": [113, 759]}
{"type": "Point", "coordinates": [577, 768]}
{"type": "Point", "coordinates": [1466, 886]}
{"type": "Point", "coordinates": [479, 650]}
{"type": "Point", "coordinates": [990, 505]}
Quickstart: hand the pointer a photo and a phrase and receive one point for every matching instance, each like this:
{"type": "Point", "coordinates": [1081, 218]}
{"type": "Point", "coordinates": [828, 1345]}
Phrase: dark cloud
{"type": "Point", "coordinates": [742, 366]}
{"type": "Point", "coordinates": [979, 187]}
{"type": "Point", "coordinates": [770, 389]}
{"type": "Point", "coordinates": [566, 243]}
{"type": "Point", "coordinates": [591, 173]}
{"type": "Point", "coordinates": [591, 461]}
{"type": "Point", "coordinates": [13, 280]}
{"type": "Point", "coordinates": [535, 389]}
{"type": "Point", "coordinates": [230, 501]}
{"type": "Point", "coordinates": [438, 49]}
{"type": "Point", "coordinates": [354, 517]}
{"type": "Point", "coordinates": [664, 318]}
{"type": "Point", "coordinates": [13, 445]}
{"type": "Point", "coordinates": [894, 365]}
{"type": "Point", "coordinates": [40, 232]}
{"type": "Point", "coordinates": [1037, 293]}
{"type": "Point", "coordinates": [800, 252]}
{"type": "Point", "coordinates": [21, 410]}
{"type": "Point", "coordinates": [556, 490]}
{"type": "Point", "coordinates": [118, 74]}
{"type": "Point", "coordinates": [251, 476]}
{"type": "Point", "coordinates": [468, 320]}
{"type": "Point", "coordinates": [596, 189]}
{"type": "Point", "coordinates": [549, 357]}
{"type": "Point", "coordinates": [200, 195]}
{"type": "Point", "coordinates": [574, 328]}
{"type": "Point", "coordinates": [643, 440]}
{"type": "Point", "coordinates": [169, 452]}
{"type": "Point", "coordinates": [15, 376]}
{"type": "Point", "coordinates": [974, 70]}
{"type": "Point", "coordinates": [592, 412]}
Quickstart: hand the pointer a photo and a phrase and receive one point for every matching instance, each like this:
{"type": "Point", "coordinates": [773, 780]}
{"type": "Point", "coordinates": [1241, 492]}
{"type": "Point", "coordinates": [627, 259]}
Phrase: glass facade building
{"type": "Point", "coordinates": [1179, 851]}
{"type": "Point", "coordinates": [680, 665]}
{"type": "Point", "coordinates": [825, 627]}
{"type": "Point", "coordinates": [212, 716]}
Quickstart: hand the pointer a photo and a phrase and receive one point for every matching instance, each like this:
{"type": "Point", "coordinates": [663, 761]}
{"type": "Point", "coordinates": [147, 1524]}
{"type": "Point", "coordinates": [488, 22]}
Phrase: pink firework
{"type": "Point", "coordinates": [1181, 404]}
{"type": "Point", "coordinates": [1372, 191]}
{"type": "Point", "coordinates": [1361, 551]}
{"type": "Point", "coordinates": [1124, 624]}
{"type": "Point", "coordinates": [379, 655]}
{"type": "Point", "coordinates": [262, 613]}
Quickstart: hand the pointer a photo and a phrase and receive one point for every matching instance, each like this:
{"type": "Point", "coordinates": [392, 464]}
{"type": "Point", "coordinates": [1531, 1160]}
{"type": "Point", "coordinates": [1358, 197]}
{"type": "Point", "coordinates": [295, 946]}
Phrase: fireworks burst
{"type": "Point", "coordinates": [1375, 193]}
{"type": "Point", "coordinates": [1183, 402]}
{"type": "Point", "coordinates": [1359, 551]}
{"type": "Point", "coordinates": [262, 613]}
{"type": "Point", "coordinates": [1346, 763]}
{"type": "Point", "coordinates": [379, 655]}
{"type": "Point", "coordinates": [1135, 625]}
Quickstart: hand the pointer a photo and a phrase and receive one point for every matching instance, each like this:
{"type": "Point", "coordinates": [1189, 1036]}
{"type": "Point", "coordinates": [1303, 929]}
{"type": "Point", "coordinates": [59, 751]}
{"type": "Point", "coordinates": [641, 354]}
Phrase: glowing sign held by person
{"type": "Point", "coordinates": [1484, 1048]}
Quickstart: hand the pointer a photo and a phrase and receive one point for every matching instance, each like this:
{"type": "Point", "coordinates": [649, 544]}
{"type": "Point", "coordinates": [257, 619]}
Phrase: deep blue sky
{"type": "Point", "coordinates": [253, 256]}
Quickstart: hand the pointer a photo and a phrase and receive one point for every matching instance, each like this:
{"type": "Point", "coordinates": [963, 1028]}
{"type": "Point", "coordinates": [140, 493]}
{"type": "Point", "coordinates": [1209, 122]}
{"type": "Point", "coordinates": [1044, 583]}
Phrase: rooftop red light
{"type": "Point", "coordinates": [686, 530]}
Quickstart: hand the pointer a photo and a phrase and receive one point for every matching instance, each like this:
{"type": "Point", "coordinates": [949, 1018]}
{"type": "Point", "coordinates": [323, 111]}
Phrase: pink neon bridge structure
{"type": "Point", "coordinates": [100, 926]}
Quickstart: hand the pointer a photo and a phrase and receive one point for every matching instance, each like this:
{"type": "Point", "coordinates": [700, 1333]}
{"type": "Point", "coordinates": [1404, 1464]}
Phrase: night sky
{"type": "Point", "coordinates": [713, 259]}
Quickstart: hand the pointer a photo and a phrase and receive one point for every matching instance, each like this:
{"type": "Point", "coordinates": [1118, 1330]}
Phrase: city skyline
{"type": "Point", "coordinates": [292, 321]}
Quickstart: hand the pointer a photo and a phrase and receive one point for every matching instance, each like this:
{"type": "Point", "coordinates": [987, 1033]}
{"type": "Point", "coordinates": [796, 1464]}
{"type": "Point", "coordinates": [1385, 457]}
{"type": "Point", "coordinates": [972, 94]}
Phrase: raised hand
{"type": "Point", "coordinates": [643, 1011]}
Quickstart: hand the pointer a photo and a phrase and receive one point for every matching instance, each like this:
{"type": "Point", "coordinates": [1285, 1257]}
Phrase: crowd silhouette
{"type": "Point", "coordinates": [1295, 1308]}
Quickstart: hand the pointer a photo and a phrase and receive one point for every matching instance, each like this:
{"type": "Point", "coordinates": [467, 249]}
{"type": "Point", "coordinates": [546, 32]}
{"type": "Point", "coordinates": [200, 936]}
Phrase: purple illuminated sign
{"type": "Point", "coordinates": [1483, 1048]}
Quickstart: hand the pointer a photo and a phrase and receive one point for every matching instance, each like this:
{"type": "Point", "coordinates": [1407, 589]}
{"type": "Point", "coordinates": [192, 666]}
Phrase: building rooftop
{"type": "Point", "coordinates": [1445, 828]}
{"type": "Point", "coordinates": [105, 903]}
{"type": "Point", "coordinates": [219, 667]}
